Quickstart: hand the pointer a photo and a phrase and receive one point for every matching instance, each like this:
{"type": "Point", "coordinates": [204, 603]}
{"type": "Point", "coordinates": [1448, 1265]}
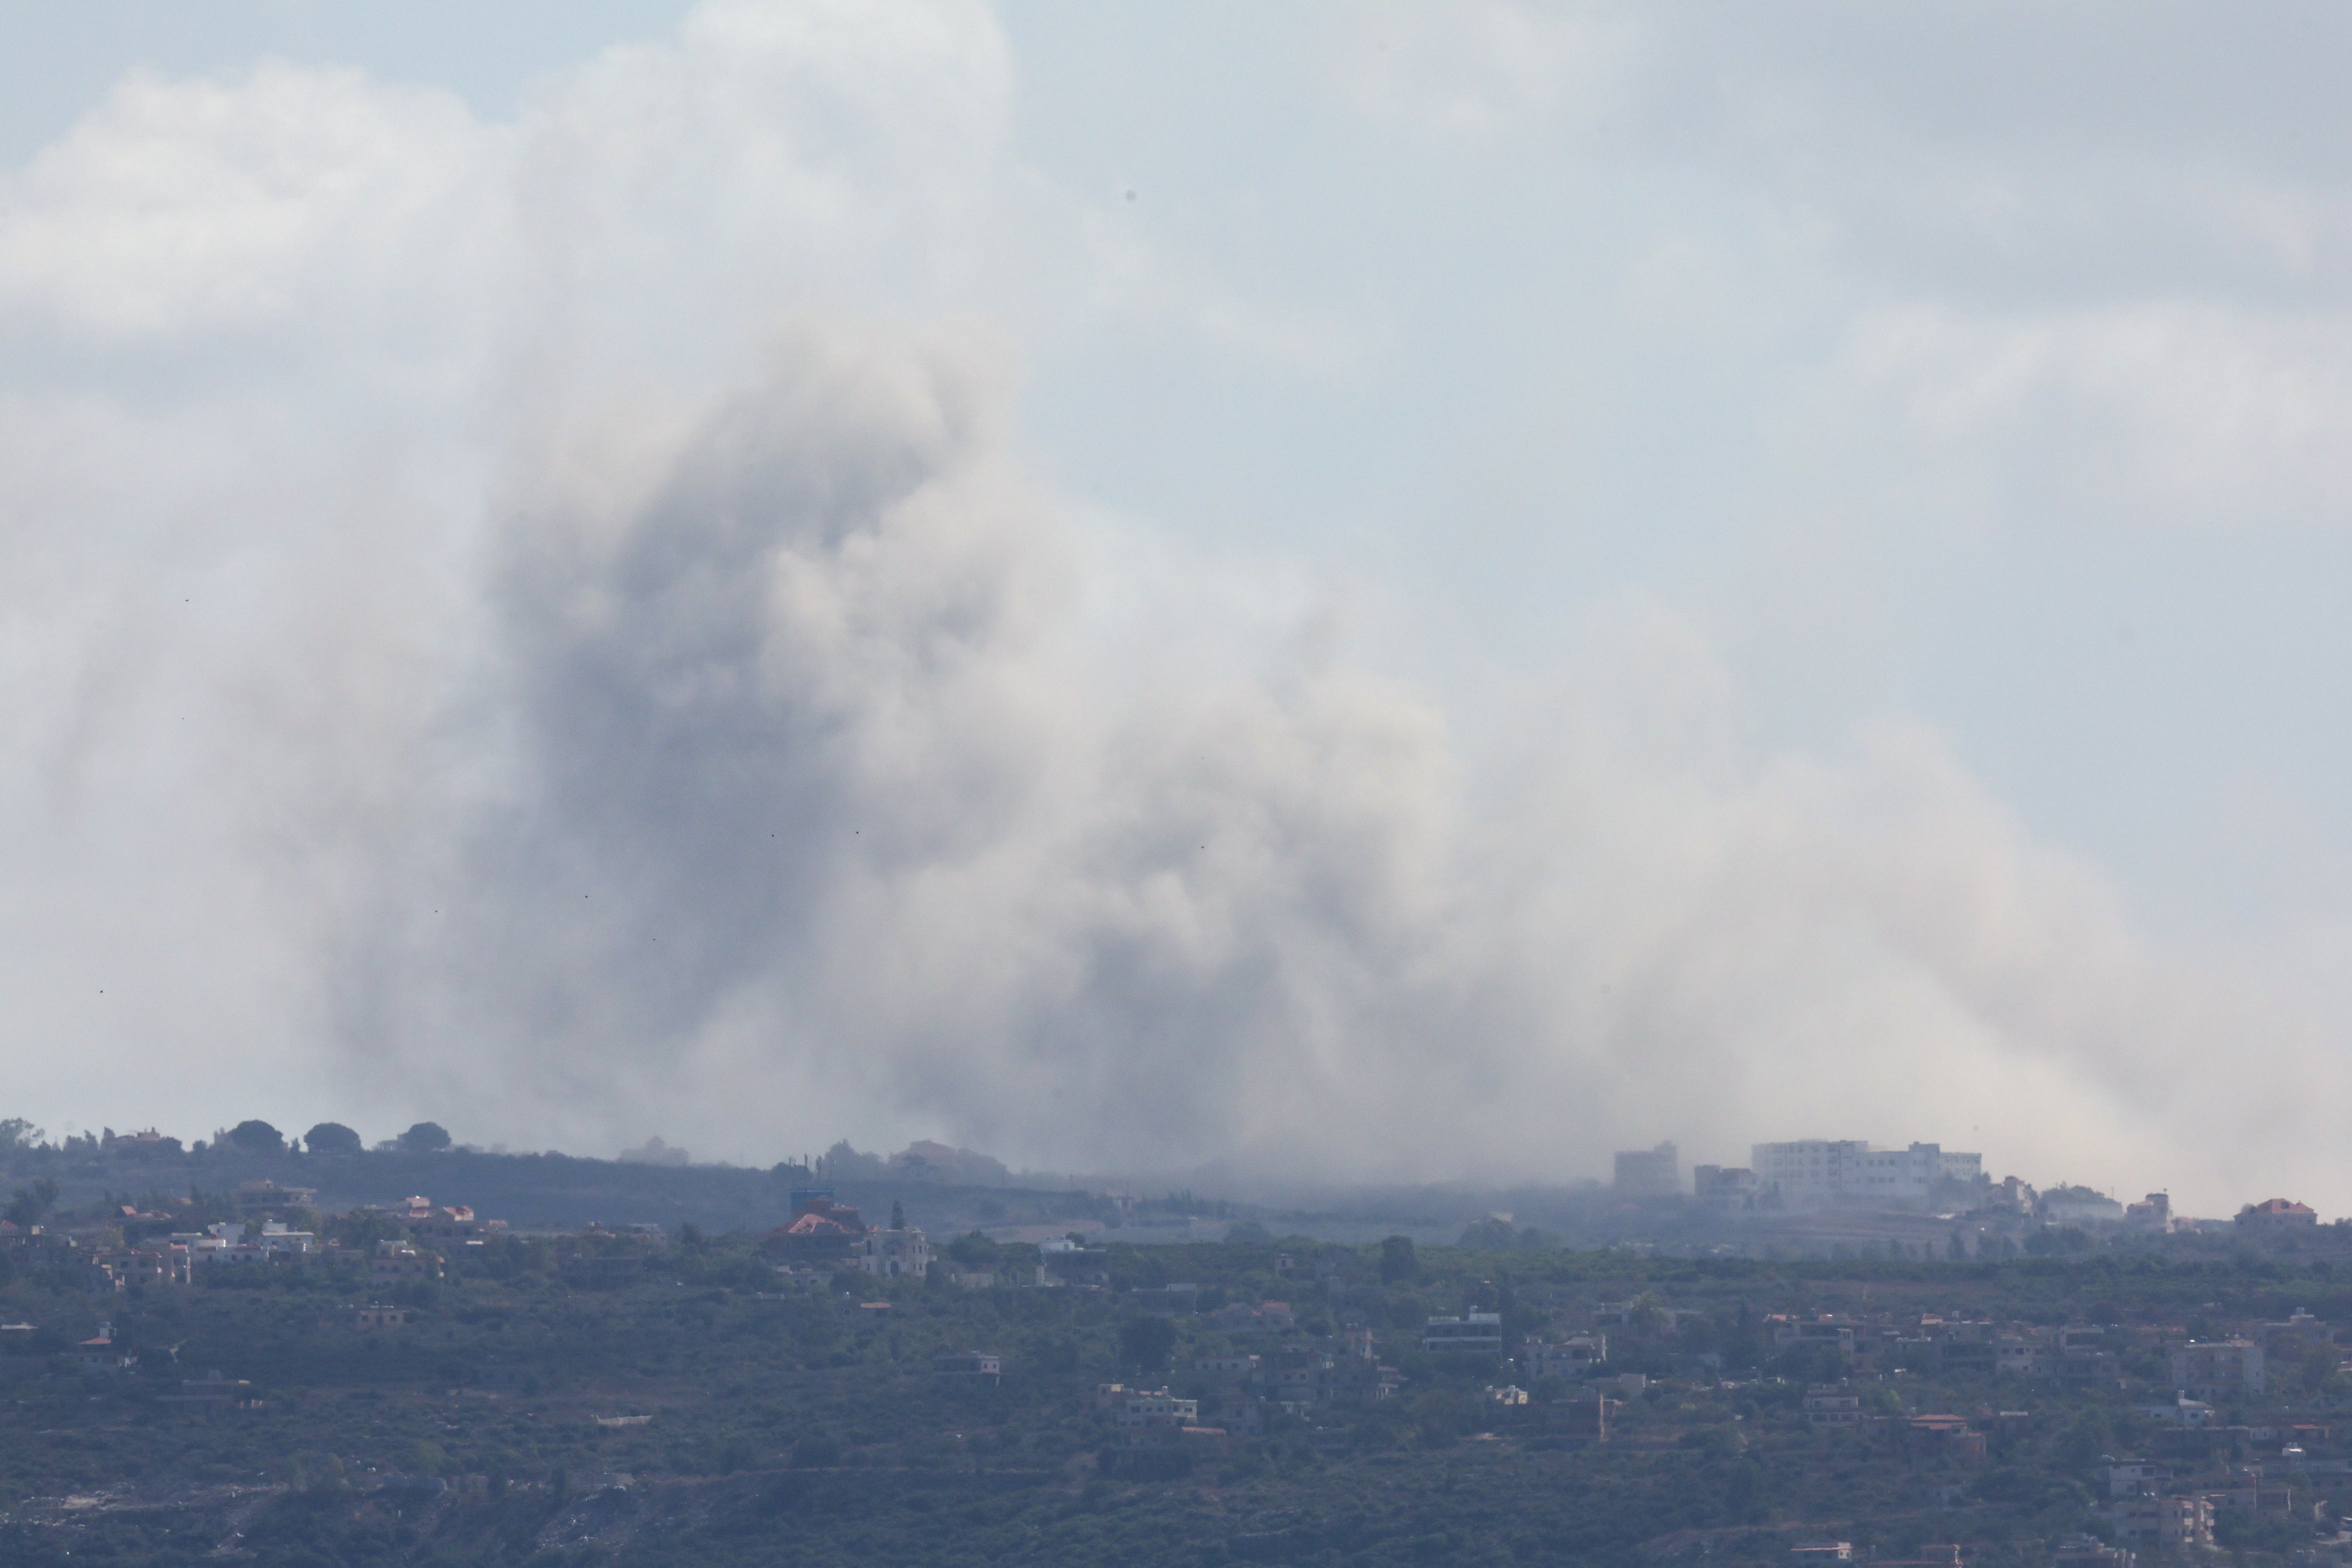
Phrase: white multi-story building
{"type": "Point", "coordinates": [893, 1254]}
{"type": "Point", "coordinates": [1812, 1173]}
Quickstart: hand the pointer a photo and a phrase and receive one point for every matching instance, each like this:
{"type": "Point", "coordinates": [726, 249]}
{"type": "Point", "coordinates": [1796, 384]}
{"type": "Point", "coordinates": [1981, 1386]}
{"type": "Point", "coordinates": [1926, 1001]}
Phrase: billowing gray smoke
{"type": "Point", "coordinates": [809, 801]}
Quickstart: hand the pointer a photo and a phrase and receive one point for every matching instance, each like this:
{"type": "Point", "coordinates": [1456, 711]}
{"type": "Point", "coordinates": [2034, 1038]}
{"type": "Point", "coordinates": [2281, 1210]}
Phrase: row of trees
{"type": "Point", "coordinates": [253, 1137]}
{"type": "Point", "coordinates": [258, 1137]}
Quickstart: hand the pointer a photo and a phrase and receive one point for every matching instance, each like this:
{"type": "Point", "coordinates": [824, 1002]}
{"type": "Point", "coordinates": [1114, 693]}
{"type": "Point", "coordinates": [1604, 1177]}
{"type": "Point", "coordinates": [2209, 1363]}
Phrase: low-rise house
{"type": "Point", "coordinates": [968, 1366]}
{"type": "Point", "coordinates": [2181, 1411]}
{"type": "Point", "coordinates": [1827, 1333]}
{"type": "Point", "coordinates": [160, 1265]}
{"type": "Point", "coordinates": [377, 1317]}
{"type": "Point", "coordinates": [1355, 1380]}
{"type": "Point", "coordinates": [213, 1389]}
{"type": "Point", "coordinates": [1731, 1188]}
{"type": "Point", "coordinates": [1072, 1265]}
{"type": "Point", "coordinates": [277, 1240]}
{"type": "Point", "coordinates": [1292, 1387]}
{"type": "Point", "coordinates": [1473, 1333]}
{"type": "Point", "coordinates": [1155, 1413]}
{"type": "Point", "coordinates": [100, 1353]}
{"type": "Point", "coordinates": [2080, 1206]}
{"type": "Point", "coordinates": [1234, 1367]}
{"type": "Point", "coordinates": [395, 1261]}
{"type": "Point", "coordinates": [1266, 1318]}
{"type": "Point", "coordinates": [2277, 1216]}
{"type": "Point", "coordinates": [1507, 1394]}
{"type": "Point", "coordinates": [1167, 1300]}
{"type": "Point", "coordinates": [1572, 1358]}
{"type": "Point", "coordinates": [1833, 1407]}
{"type": "Point", "coordinates": [2088, 1551]}
{"type": "Point", "coordinates": [267, 1196]}
{"type": "Point", "coordinates": [2016, 1355]}
{"type": "Point", "coordinates": [447, 1222]}
{"type": "Point", "coordinates": [893, 1254]}
{"type": "Point", "coordinates": [819, 1229]}
{"type": "Point", "coordinates": [1944, 1437]}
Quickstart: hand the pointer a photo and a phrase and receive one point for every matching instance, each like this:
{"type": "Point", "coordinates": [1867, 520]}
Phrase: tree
{"type": "Point", "coordinates": [1144, 1343]}
{"type": "Point", "coordinates": [1397, 1260]}
{"type": "Point", "coordinates": [17, 1133]}
{"type": "Point", "coordinates": [424, 1138]}
{"type": "Point", "coordinates": [332, 1138]}
{"type": "Point", "coordinates": [31, 1203]}
{"type": "Point", "coordinates": [897, 1215]}
{"type": "Point", "coordinates": [257, 1137]}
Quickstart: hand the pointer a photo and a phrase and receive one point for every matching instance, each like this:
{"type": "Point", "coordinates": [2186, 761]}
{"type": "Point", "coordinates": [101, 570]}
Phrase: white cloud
{"type": "Point", "coordinates": [2168, 411]}
{"type": "Point", "coordinates": [1483, 71]}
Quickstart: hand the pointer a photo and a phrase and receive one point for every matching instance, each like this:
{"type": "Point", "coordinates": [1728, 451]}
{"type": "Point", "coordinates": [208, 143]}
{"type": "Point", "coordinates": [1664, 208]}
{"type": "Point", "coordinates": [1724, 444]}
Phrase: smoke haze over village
{"type": "Point", "coordinates": [791, 572]}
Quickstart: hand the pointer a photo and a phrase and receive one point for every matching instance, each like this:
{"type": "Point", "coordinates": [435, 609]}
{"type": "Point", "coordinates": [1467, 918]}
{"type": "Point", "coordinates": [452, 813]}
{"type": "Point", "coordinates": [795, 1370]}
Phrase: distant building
{"type": "Point", "coordinates": [2278, 1216]}
{"type": "Point", "coordinates": [2089, 1551]}
{"type": "Point", "coordinates": [2182, 1411]}
{"type": "Point", "coordinates": [2080, 1206]}
{"type": "Point", "coordinates": [1167, 1300]}
{"type": "Point", "coordinates": [263, 1197]}
{"type": "Point", "coordinates": [2152, 1213]}
{"type": "Point", "coordinates": [1650, 1173]}
{"type": "Point", "coordinates": [1815, 1172]}
{"type": "Point", "coordinates": [1479, 1334]}
{"type": "Point", "coordinates": [397, 1260]}
{"type": "Point", "coordinates": [893, 1254]}
{"type": "Point", "coordinates": [2168, 1524]}
{"type": "Point", "coordinates": [1724, 1187]}
{"type": "Point", "coordinates": [1266, 1318]}
{"type": "Point", "coordinates": [374, 1317]}
{"type": "Point", "coordinates": [1833, 1407]}
{"type": "Point", "coordinates": [1945, 1437]}
{"type": "Point", "coordinates": [968, 1366]}
{"type": "Point", "coordinates": [1572, 1358]}
{"type": "Point", "coordinates": [101, 1353]}
{"type": "Point", "coordinates": [1140, 1411]}
{"type": "Point", "coordinates": [1062, 1262]}
{"type": "Point", "coordinates": [2208, 1368]}
{"type": "Point", "coordinates": [819, 1229]}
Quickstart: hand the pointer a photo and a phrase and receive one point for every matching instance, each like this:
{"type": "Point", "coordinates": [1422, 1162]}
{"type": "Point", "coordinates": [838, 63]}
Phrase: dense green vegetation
{"type": "Point", "coordinates": [799, 1419]}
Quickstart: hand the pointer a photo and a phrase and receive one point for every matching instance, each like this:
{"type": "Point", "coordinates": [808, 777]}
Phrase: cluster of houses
{"type": "Point", "coordinates": [2164, 1501]}
{"type": "Point", "coordinates": [130, 1248]}
{"type": "Point", "coordinates": [1814, 1175]}
{"type": "Point", "coordinates": [1241, 1389]}
{"type": "Point", "coordinates": [2087, 1355]}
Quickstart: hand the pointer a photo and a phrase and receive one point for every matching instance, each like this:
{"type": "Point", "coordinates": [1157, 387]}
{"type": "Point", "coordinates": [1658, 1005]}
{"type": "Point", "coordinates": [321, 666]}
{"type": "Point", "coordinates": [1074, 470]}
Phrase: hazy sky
{"type": "Point", "coordinates": [1405, 591]}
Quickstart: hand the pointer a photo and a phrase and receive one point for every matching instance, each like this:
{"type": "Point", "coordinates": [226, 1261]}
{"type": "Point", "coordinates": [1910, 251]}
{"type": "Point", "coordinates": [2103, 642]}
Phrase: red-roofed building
{"type": "Point", "coordinates": [820, 1230]}
{"type": "Point", "coordinates": [2277, 1215]}
{"type": "Point", "coordinates": [1946, 1437]}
